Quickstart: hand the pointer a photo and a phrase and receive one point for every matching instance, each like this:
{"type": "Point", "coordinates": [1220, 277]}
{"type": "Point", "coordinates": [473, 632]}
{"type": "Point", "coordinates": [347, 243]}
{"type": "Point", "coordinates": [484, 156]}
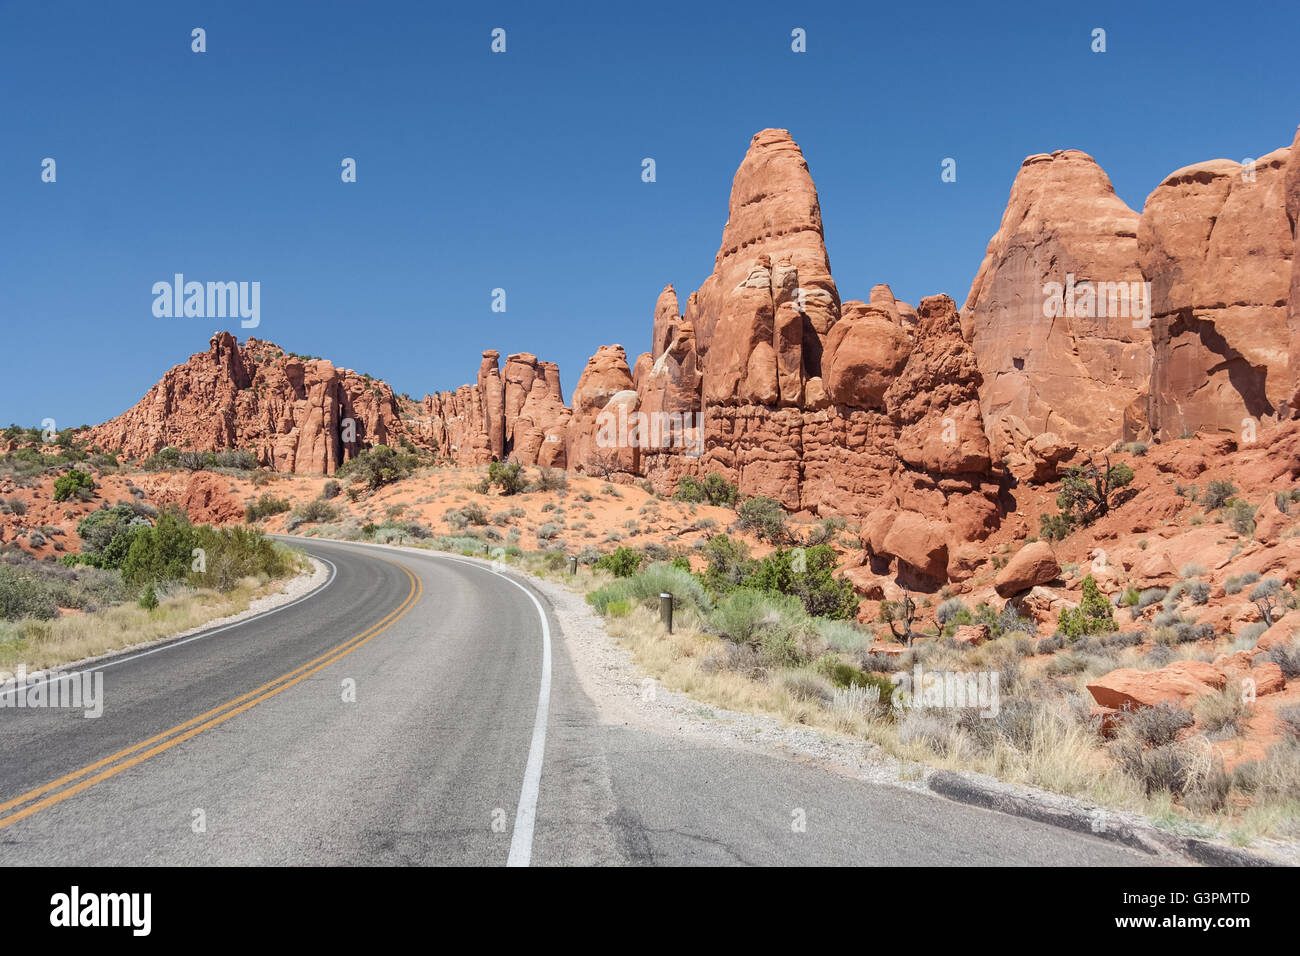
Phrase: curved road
{"type": "Point", "coordinates": [413, 711]}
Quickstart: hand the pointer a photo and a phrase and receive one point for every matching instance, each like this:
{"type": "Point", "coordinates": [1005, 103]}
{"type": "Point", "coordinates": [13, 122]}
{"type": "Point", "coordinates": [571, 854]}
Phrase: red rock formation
{"type": "Point", "coordinates": [1051, 361]}
{"type": "Point", "coordinates": [295, 414]}
{"type": "Point", "coordinates": [519, 414]}
{"type": "Point", "coordinates": [1216, 245]}
{"type": "Point", "coordinates": [1293, 307]}
{"type": "Point", "coordinates": [606, 383]}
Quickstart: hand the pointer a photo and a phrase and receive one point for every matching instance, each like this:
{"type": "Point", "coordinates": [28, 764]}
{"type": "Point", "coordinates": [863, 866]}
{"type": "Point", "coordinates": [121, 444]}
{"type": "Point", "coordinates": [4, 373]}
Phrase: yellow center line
{"type": "Point", "coordinates": [206, 720]}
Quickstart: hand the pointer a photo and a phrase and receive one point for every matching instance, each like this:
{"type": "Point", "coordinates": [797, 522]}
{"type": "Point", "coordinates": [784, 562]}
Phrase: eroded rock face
{"type": "Point", "coordinates": [1216, 244]}
{"type": "Point", "coordinates": [1053, 360]}
{"type": "Point", "coordinates": [606, 383]}
{"type": "Point", "coordinates": [1292, 188]}
{"type": "Point", "coordinates": [774, 211]}
{"type": "Point", "coordinates": [301, 415]}
{"type": "Point", "coordinates": [518, 413]}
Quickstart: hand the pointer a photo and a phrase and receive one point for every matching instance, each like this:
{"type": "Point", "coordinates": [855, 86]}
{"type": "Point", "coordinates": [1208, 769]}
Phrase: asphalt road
{"type": "Point", "coordinates": [415, 712]}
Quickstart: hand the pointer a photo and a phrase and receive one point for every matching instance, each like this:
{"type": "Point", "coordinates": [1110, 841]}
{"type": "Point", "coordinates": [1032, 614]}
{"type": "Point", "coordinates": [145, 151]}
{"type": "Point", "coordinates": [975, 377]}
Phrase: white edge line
{"type": "Point", "coordinates": [521, 840]}
{"type": "Point", "coordinates": [168, 645]}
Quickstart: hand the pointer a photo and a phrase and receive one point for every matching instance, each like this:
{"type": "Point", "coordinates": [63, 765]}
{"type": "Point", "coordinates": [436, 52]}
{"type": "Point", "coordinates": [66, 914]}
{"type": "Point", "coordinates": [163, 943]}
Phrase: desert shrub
{"type": "Point", "coordinates": [331, 490]}
{"type": "Point", "coordinates": [1050, 645]}
{"type": "Point", "coordinates": [1054, 527]}
{"type": "Point", "coordinates": [1148, 597]}
{"type": "Point", "coordinates": [163, 459]}
{"type": "Point", "coordinates": [843, 636]}
{"type": "Point", "coordinates": [729, 563]}
{"type": "Point", "coordinates": [376, 467]}
{"type": "Point", "coordinates": [1232, 585]}
{"type": "Point", "coordinates": [1287, 657]}
{"type": "Point", "coordinates": [1159, 725]}
{"type": "Point", "coordinates": [649, 584]}
{"type": "Point", "coordinates": [622, 562]}
{"type": "Point", "coordinates": [1241, 516]}
{"type": "Point", "coordinates": [806, 686]}
{"type": "Point", "coordinates": [1170, 767]}
{"type": "Point", "coordinates": [1092, 616]}
{"type": "Point", "coordinates": [1267, 597]}
{"type": "Point", "coordinates": [74, 482]}
{"type": "Point", "coordinates": [1198, 591]}
{"type": "Point", "coordinates": [949, 610]}
{"type": "Point", "coordinates": [16, 506]}
{"type": "Point", "coordinates": [162, 552]}
{"type": "Point", "coordinates": [746, 616]}
{"type": "Point", "coordinates": [508, 476]}
{"type": "Point", "coordinates": [1222, 713]}
{"type": "Point", "coordinates": [106, 535]}
{"type": "Point", "coordinates": [266, 506]}
{"type": "Point", "coordinates": [713, 490]}
{"type": "Point", "coordinates": [552, 479]}
{"type": "Point", "coordinates": [807, 574]}
{"type": "Point", "coordinates": [1290, 717]}
{"type": "Point", "coordinates": [764, 517]}
{"type": "Point", "coordinates": [24, 595]}
{"type": "Point", "coordinates": [316, 511]}
{"type": "Point", "coordinates": [1088, 492]}
{"type": "Point", "coordinates": [548, 531]}
{"type": "Point", "coordinates": [231, 554]}
{"type": "Point", "coordinates": [1250, 634]}
{"type": "Point", "coordinates": [1217, 494]}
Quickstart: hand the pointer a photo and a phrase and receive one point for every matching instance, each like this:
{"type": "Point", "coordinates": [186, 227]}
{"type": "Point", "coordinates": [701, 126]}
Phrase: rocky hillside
{"type": "Point", "coordinates": [1087, 323]}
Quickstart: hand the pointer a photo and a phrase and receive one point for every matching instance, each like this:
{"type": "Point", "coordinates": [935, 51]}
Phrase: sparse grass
{"type": "Point", "coordinates": [49, 643]}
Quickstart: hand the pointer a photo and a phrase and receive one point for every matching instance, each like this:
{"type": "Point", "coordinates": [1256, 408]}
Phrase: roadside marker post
{"type": "Point", "coordinates": [666, 610]}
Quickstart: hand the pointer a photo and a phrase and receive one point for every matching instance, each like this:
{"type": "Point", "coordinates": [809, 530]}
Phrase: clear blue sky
{"type": "Point", "coordinates": [523, 170]}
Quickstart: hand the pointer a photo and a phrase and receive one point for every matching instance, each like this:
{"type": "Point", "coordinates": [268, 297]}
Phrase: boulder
{"type": "Point", "coordinates": [1032, 565]}
{"type": "Point", "coordinates": [1179, 684]}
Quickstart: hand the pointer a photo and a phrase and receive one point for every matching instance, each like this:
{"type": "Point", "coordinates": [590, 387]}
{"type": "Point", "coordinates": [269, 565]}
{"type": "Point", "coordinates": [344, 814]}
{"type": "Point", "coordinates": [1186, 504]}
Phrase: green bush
{"type": "Point", "coordinates": [508, 476]}
{"type": "Point", "coordinates": [230, 554]}
{"type": "Point", "coordinates": [744, 614]}
{"type": "Point", "coordinates": [315, 511]}
{"type": "Point", "coordinates": [1054, 527]}
{"type": "Point", "coordinates": [1092, 616]}
{"type": "Point", "coordinates": [376, 467]}
{"type": "Point", "coordinates": [24, 594]}
{"type": "Point", "coordinates": [266, 506]}
{"type": "Point", "coordinates": [75, 482]}
{"type": "Point", "coordinates": [1088, 492]}
{"type": "Point", "coordinates": [764, 517]}
{"type": "Point", "coordinates": [1217, 494]}
{"type": "Point", "coordinates": [713, 490]}
{"type": "Point", "coordinates": [106, 534]}
{"type": "Point", "coordinates": [160, 553]}
{"type": "Point", "coordinates": [807, 574]}
{"type": "Point", "coordinates": [622, 563]}
{"type": "Point", "coordinates": [729, 563]}
{"type": "Point", "coordinates": [649, 584]}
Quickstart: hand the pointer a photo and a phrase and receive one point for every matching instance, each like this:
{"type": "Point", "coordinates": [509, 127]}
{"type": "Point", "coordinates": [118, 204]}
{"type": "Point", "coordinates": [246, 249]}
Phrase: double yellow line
{"type": "Point", "coordinates": [56, 791]}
